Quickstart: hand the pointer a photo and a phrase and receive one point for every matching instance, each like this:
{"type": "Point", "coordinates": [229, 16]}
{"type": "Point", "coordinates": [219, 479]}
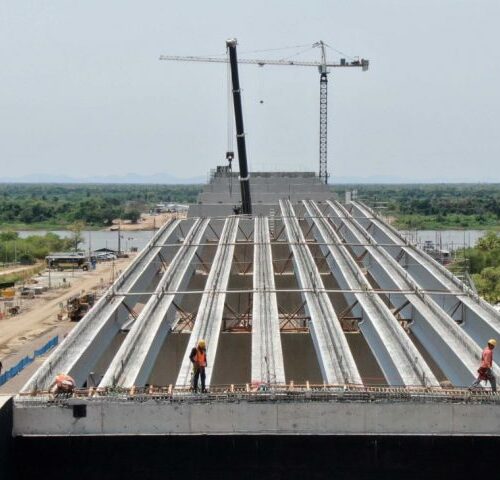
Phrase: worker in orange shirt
{"type": "Point", "coordinates": [62, 384]}
{"type": "Point", "coordinates": [198, 358]}
{"type": "Point", "coordinates": [485, 371]}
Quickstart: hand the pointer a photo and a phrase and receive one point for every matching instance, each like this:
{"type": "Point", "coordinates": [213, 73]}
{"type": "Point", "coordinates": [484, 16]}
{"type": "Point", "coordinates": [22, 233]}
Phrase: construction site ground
{"type": "Point", "coordinates": [16, 269]}
{"type": "Point", "coordinates": [147, 222]}
{"type": "Point", "coordinates": [38, 321]}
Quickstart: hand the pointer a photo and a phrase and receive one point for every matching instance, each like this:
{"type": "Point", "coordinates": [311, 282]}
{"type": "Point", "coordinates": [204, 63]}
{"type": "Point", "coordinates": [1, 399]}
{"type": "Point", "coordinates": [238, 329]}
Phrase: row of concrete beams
{"type": "Point", "coordinates": [267, 354]}
{"type": "Point", "coordinates": [84, 345]}
{"type": "Point", "coordinates": [134, 361]}
{"type": "Point", "coordinates": [397, 356]}
{"type": "Point", "coordinates": [479, 319]}
{"type": "Point", "coordinates": [335, 358]}
{"type": "Point", "coordinates": [453, 351]}
{"type": "Point", "coordinates": [208, 321]}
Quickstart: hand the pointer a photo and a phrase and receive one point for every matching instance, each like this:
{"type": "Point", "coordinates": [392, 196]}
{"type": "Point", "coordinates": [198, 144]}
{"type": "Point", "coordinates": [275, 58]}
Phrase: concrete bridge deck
{"type": "Point", "coordinates": [315, 293]}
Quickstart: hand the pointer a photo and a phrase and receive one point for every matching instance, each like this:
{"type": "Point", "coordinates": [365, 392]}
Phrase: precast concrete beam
{"type": "Point", "coordinates": [208, 321]}
{"type": "Point", "coordinates": [267, 353]}
{"type": "Point", "coordinates": [85, 344]}
{"type": "Point", "coordinates": [480, 320]}
{"type": "Point", "coordinates": [335, 358]}
{"type": "Point", "coordinates": [134, 361]}
{"type": "Point", "coordinates": [455, 352]}
{"type": "Point", "coordinates": [397, 356]}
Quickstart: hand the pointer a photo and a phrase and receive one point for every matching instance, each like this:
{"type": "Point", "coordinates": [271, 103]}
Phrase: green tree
{"type": "Point", "coordinates": [76, 237]}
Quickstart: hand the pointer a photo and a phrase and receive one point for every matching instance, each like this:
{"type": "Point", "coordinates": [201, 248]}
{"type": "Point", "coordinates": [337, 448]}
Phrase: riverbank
{"type": "Point", "coordinates": [445, 222]}
{"type": "Point", "coordinates": [147, 222]}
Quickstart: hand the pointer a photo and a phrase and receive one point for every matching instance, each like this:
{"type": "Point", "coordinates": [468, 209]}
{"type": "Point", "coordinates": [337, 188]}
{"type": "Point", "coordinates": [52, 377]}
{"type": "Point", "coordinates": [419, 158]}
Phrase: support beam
{"type": "Point", "coordinates": [335, 358]}
{"type": "Point", "coordinates": [481, 320]}
{"type": "Point", "coordinates": [82, 348]}
{"type": "Point", "coordinates": [209, 318]}
{"type": "Point", "coordinates": [134, 362]}
{"type": "Point", "coordinates": [267, 354]}
{"type": "Point", "coordinates": [455, 353]}
{"type": "Point", "coordinates": [397, 356]}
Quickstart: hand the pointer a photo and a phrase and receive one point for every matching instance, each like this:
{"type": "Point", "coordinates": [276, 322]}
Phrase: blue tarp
{"type": "Point", "coordinates": [13, 371]}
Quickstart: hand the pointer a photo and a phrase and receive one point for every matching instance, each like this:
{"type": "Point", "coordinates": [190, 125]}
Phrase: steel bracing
{"type": "Point", "coordinates": [335, 358]}
{"type": "Point", "coordinates": [82, 348]}
{"type": "Point", "coordinates": [135, 359]}
{"type": "Point", "coordinates": [478, 319]}
{"type": "Point", "coordinates": [455, 353]}
{"type": "Point", "coordinates": [208, 322]}
{"type": "Point", "coordinates": [261, 277]}
{"type": "Point", "coordinates": [397, 356]}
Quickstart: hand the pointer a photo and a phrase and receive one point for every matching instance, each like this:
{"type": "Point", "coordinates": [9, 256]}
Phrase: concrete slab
{"type": "Point", "coordinates": [155, 417]}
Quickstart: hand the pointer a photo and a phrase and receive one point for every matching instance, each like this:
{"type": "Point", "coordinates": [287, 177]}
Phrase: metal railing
{"type": "Point", "coordinates": [266, 393]}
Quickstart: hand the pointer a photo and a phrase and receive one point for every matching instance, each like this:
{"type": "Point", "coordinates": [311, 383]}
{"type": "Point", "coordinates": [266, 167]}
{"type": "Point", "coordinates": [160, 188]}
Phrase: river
{"type": "Point", "coordinates": [447, 239]}
{"type": "Point", "coordinates": [101, 238]}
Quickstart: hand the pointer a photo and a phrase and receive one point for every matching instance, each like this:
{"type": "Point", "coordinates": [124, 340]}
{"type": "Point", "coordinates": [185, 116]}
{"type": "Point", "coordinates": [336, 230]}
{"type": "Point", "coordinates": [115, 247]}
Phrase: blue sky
{"type": "Point", "coordinates": [83, 92]}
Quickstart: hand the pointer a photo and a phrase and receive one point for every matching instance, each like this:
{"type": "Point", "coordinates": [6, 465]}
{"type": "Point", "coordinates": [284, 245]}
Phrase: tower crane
{"type": "Point", "coordinates": [324, 69]}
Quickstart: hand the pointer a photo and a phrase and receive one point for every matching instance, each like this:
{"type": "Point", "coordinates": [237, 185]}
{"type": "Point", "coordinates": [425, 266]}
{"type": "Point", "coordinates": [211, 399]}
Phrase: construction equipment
{"type": "Point", "coordinates": [78, 306]}
{"type": "Point", "coordinates": [246, 202]}
{"type": "Point", "coordinates": [323, 67]}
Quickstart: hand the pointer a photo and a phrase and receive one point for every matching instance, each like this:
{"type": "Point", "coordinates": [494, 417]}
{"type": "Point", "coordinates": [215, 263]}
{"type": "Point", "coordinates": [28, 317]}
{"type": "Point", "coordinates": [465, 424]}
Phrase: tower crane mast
{"type": "Point", "coordinates": [324, 69]}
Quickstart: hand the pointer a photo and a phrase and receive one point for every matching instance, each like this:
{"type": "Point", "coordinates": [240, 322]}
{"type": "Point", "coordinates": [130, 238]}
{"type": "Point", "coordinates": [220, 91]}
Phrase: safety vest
{"type": "Point", "coordinates": [200, 358]}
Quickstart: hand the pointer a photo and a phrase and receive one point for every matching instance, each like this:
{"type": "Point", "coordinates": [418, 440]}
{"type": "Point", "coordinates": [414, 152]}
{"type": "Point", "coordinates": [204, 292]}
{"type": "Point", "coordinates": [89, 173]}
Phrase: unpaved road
{"type": "Point", "coordinates": [41, 316]}
{"type": "Point", "coordinates": [9, 270]}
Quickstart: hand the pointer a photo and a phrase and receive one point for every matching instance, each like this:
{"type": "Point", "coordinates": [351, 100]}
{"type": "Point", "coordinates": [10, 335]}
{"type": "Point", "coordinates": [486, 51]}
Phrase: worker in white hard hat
{"type": "Point", "coordinates": [198, 358]}
{"type": "Point", "coordinates": [485, 371]}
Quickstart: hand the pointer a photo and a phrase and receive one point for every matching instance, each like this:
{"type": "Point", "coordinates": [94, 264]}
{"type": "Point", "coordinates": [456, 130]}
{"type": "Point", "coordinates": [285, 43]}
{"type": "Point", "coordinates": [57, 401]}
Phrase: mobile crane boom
{"type": "Point", "coordinates": [246, 202]}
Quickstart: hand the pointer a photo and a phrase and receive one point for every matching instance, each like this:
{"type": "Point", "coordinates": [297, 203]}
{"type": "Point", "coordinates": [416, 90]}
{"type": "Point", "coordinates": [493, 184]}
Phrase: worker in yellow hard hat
{"type": "Point", "coordinates": [198, 358]}
{"type": "Point", "coordinates": [485, 371]}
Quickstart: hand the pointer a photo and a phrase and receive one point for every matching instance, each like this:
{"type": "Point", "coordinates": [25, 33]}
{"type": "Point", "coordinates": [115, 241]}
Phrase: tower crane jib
{"type": "Point", "coordinates": [323, 68]}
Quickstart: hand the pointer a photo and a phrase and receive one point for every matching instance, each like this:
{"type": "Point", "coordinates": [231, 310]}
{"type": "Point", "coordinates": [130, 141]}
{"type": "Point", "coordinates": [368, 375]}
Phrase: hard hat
{"type": "Point", "coordinates": [202, 344]}
{"type": "Point", "coordinates": [492, 341]}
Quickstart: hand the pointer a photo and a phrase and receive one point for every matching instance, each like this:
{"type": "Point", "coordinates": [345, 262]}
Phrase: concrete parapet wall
{"type": "Point", "coordinates": [112, 417]}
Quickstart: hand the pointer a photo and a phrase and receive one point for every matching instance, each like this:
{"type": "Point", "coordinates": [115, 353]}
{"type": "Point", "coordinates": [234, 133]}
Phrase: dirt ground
{"type": "Point", "coordinates": [17, 269]}
{"type": "Point", "coordinates": [40, 314]}
{"type": "Point", "coordinates": [147, 222]}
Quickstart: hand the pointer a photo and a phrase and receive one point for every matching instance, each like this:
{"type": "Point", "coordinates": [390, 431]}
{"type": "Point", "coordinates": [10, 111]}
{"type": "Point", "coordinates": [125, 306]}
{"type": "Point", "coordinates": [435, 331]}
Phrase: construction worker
{"type": "Point", "coordinates": [62, 384]}
{"type": "Point", "coordinates": [485, 371]}
{"type": "Point", "coordinates": [198, 358]}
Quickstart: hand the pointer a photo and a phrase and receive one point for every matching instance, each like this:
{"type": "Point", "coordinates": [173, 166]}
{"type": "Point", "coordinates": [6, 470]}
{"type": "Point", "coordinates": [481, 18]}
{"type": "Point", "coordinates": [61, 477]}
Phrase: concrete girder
{"type": "Point", "coordinates": [335, 358]}
{"type": "Point", "coordinates": [267, 353]}
{"type": "Point", "coordinates": [85, 344]}
{"type": "Point", "coordinates": [209, 318]}
{"type": "Point", "coordinates": [480, 320]}
{"type": "Point", "coordinates": [134, 361]}
{"type": "Point", "coordinates": [397, 356]}
{"type": "Point", "coordinates": [455, 352]}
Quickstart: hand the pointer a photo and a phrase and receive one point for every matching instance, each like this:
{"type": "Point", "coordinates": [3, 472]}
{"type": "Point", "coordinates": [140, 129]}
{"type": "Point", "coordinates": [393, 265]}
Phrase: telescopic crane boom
{"type": "Point", "coordinates": [323, 68]}
{"type": "Point", "coordinates": [246, 202]}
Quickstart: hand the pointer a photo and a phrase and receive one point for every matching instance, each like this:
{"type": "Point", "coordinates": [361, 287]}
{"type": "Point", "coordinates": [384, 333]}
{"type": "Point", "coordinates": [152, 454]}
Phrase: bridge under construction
{"type": "Point", "coordinates": [319, 318]}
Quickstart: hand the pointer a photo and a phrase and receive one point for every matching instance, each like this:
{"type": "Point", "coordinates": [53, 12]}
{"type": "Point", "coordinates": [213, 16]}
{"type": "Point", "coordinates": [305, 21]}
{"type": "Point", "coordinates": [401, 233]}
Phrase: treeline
{"type": "Point", "coordinates": [28, 250]}
{"type": "Point", "coordinates": [434, 206]}
{"type": "Point", "coordinates": [97, 205]}
{"type": "Point", "coordinates": [484, 264]}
